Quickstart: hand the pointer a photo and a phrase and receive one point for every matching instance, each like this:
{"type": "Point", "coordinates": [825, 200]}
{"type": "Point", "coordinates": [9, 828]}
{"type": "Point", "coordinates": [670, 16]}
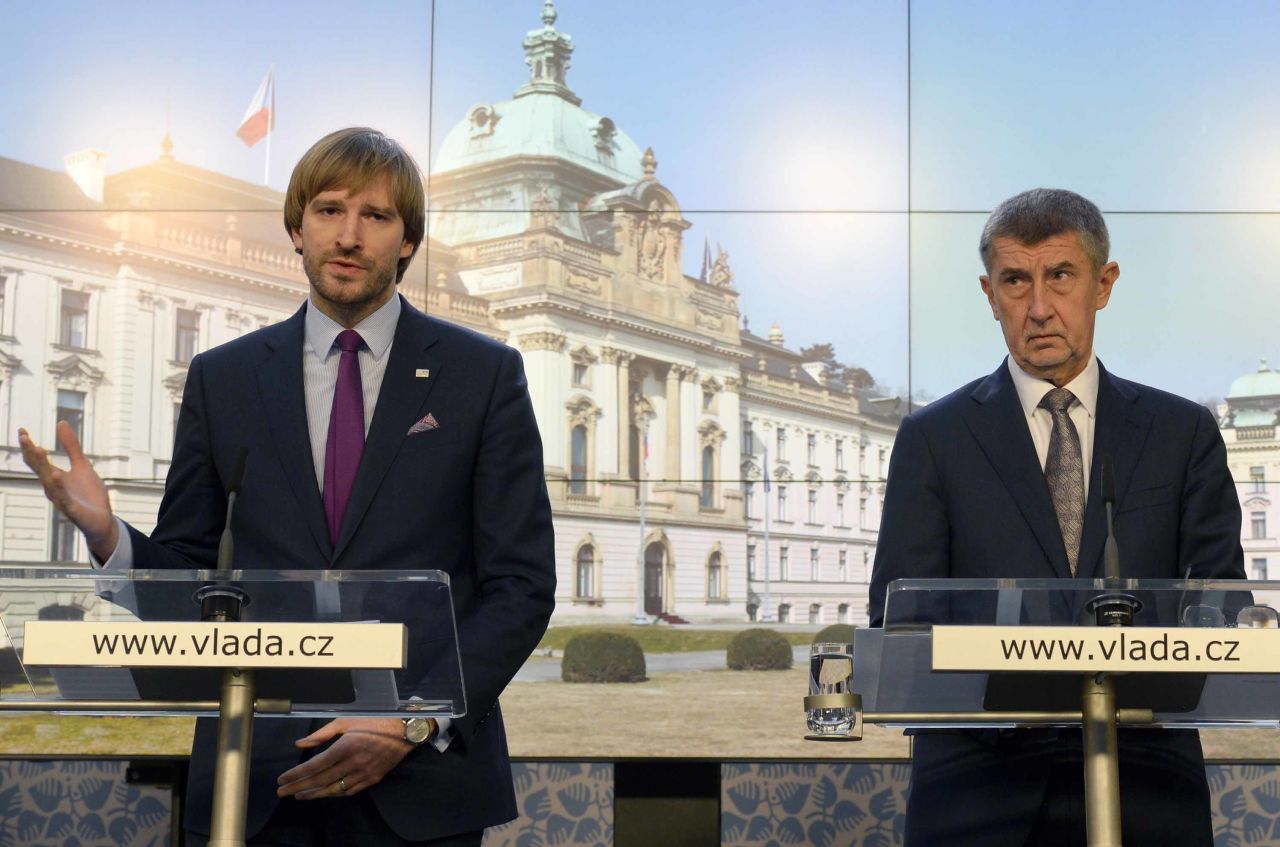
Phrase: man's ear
{"type": "Point", "coordinates": [406, 248]}
{"type": "Point", "coordinates": [991, 295]}
{"type": "Point", "coordinates": [296, 235]}
{"type": "Point", "coordinates": [1106, 281]}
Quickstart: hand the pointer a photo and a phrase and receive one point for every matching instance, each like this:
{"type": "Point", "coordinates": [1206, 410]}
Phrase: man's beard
{"type": "Point", "coordinates": [348, 293]}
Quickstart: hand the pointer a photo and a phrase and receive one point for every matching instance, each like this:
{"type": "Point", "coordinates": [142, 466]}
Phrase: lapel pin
{"type": "Point", "coordinates": [422, 373]}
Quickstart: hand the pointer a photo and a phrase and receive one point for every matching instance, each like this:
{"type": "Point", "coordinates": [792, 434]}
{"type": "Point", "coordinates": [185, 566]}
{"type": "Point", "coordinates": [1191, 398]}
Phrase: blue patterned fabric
{"type": "Point", "coordinates": [78, 804]}
{"type": "Point", "coordinates": [569, 804]}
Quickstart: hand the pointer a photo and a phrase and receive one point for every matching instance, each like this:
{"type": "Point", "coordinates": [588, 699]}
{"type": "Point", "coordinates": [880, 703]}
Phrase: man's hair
{"type": "Point", "coordinates": [1033, 216]}
{"type": "Point", "coordinates": [351, 159]}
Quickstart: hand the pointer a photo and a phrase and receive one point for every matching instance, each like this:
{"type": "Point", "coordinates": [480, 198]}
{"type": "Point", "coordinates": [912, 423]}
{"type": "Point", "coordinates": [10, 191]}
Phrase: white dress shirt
{"type": "Point", "coordinates": [1083, 410]}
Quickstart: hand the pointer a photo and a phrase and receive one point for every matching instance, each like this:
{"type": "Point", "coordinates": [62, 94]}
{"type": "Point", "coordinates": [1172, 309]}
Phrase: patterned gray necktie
{"type": "Point", "coordinates": [1064, 472]}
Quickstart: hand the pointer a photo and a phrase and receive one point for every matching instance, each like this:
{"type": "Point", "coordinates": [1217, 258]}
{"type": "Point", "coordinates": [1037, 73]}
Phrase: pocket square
{"type": "Point", "coordinates": [427, 424]}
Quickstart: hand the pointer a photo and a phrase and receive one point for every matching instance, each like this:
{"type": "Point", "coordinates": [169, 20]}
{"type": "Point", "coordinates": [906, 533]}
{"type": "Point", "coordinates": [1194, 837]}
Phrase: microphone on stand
{"type": "Point", "coordinates": [1111, 550]}
{"type": "Point", "coordinates": [221, 600]}
{"type": "Point", "coordinates": [1115, 608]}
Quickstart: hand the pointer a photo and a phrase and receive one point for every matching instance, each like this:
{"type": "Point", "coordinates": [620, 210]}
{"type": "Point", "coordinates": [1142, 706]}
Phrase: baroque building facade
{"type": "Point", "coordinates": [1249, 419]}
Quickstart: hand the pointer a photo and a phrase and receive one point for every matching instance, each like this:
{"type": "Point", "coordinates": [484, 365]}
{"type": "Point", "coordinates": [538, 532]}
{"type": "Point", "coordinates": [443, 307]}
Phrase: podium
{"type": "Point", "coordinates": [234, 645]}
{"type": "Point", "coordinates": [1009, 653]}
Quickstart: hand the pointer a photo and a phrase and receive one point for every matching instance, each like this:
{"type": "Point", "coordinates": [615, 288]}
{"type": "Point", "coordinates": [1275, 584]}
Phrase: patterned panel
{"type": "Point", "coordinates": [569, 804]}
{"type": "Point", "coordinates": [78, 804]}
{"type": "Point", "coordinates": [824, 805]}
{"type": "Point", "coordinates": [1246, 804]}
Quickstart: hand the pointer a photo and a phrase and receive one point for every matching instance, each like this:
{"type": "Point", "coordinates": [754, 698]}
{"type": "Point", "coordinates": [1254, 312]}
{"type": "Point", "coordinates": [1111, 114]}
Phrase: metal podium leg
{"type": "Point", "coordinates": [231, 774]}
{"type": "Point", "coordinates": [1101, 762]}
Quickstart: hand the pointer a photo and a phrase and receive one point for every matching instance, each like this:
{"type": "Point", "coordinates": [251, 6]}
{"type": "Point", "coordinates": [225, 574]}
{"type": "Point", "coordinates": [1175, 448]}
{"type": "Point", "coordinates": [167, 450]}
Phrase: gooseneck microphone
{"type": "Point", "coordinates": [222, 601]}
{"type": "Point", "coordinates": [1110, 550]}
{"type": "Point", "coordinates": [1114, 608]}
{"type": "Point", "coordinates": [226, 547]}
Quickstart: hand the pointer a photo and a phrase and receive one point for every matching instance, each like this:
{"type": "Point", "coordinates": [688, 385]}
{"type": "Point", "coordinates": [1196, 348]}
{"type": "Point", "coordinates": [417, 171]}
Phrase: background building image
{"type": "Point", "coordinates": [550, 230]}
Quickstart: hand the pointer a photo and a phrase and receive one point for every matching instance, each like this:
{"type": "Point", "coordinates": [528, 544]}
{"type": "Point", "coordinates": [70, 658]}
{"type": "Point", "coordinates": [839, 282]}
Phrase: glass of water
{"type": "Point", "coordinates": [830, 672]}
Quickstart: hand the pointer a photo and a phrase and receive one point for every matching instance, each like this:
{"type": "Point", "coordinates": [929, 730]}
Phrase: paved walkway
{"type": "Point", "coordinates": [545, 669]}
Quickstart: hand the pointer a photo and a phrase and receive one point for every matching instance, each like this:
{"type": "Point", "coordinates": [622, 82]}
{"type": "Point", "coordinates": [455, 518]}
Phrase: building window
{"type": "Point", "coordinates": [839, 508]}
{"type": "Point", "coordinates": [708, 400]}
{"type": "Point", "coordinates": [1258, 569]}
{"type": "Point", "coordinates": [844, 565]}
{"type": "Point", "coordinates": [862, 460]}
{"type": "Point", "coordinates": [748, 439]}
{"type": "Point", "coordinates": [839, 454]}
{"type": "Point", "coordinates": [880, 462]}
{"type": "Point", "coordinates": [784, 613]}
{"type": "Point", "coordinates": [782, 502]}
{"type": "Point", "coordinates": [748, 498]}
{"type": "Point", "coordinates": [707, 498]}
{"type": "Point", "coordinates": [186, 339]}
{"type": "Point", "coordinates": [813, 505]}
{"type": "Point", "coordinates": [715, 577]}
{"type": "Point", "coordinates": [579, 373]}
{"type": "Point", "coordinates": [784, 562]}
{"type": "Point", "coordinates": [842, 613]}
{"type": "Point", "coordinates": [814, 566]}
{"type": "Point", "coordinates": [74, 327]}
{"type": "Point", "coordinates": [862, 512]}
{"type": "Point", "coordinates": [63, 533]}
{"type": "Point", "coordinates": [586, 584]}
{"type": "Point", "coordinates": [4, 291]}
{"type": "Point", "coordinates": [815, 613]}
{"type": "Point", "coordinates": [71, 410]}
{"type": "Point", "coordinates": [1259, 520]}
{"type": "Point", "coordinates": [751, 561]}
{"type": "Point", "coordinates": [812, 448]}
{"type": "Point", "coordinates": [1257, 475]}
{"type": "Point", "coordinates": [578, 461]}
{"type": "Point", "coordinates": [782, 444]}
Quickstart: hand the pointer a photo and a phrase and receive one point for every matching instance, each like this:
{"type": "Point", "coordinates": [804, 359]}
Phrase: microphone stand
{"type": "Point", "coordinates": [1098, 694]}
{"type": "Point", "coordinates": [221, 602]}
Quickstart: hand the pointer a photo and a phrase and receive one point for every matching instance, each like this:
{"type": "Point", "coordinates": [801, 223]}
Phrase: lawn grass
{"type": "Point", "coordinates": [662, 639]}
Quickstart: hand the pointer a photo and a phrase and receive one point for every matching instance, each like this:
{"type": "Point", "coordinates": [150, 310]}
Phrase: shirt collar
{"type": "Point", "coordinates": [377, 330]}
{"type": "Point", "coordinates": [1031, 389]}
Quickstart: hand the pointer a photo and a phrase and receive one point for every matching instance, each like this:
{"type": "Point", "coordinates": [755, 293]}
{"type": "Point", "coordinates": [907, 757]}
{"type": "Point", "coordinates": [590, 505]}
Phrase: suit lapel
{"type": "Point", "coordinates": [997, 422]}
{"type": "Point", "coordinates": [280, 386]}
{"type": "Point", "coordinates": [400, 402]}
{"type": "Point", "coordinates": [1119, 431]}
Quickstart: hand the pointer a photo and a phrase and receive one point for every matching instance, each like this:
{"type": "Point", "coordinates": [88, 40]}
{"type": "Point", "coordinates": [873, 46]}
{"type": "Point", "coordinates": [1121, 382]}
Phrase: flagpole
{"type": "Point", "coordinates": [767, 617]}
{"type": "Point", "coordinates": [643, 423]}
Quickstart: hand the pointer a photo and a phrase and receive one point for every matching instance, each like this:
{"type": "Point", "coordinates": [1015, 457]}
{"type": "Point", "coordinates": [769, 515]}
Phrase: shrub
{"type": "Point", "coordinates": [602, 657]}
{"type": "Point", "coordinates": [837, 633]}
{"type": "Point", "coordinates": [759, 650]}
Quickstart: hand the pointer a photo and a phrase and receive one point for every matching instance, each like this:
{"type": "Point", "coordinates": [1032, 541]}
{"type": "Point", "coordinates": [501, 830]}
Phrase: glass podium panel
{"type": "Point", "coordinates": [322, 643]}
{"type": "Point", "coordinates": [1198, 653]}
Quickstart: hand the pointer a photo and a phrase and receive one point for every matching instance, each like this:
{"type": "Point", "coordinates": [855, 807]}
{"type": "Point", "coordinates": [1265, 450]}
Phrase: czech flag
{"type": "Point", "coordinates": [260, 119]}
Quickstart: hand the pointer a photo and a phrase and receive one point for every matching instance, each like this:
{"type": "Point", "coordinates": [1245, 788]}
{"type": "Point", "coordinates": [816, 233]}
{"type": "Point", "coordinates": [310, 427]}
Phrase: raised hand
{"type": "Point", "coordinates": [77, 492]}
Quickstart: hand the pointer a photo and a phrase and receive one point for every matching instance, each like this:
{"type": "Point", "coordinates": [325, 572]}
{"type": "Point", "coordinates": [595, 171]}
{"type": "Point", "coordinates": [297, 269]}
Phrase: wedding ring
{"type": "Point", "coordinates": [342, 786]}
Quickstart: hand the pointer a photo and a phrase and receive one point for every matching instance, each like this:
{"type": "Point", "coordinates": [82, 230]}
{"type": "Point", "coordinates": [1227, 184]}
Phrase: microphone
{"type": "Point", "coordinates": [1110, 551]}
{"type": "Point", "coordinates": [226, 547]}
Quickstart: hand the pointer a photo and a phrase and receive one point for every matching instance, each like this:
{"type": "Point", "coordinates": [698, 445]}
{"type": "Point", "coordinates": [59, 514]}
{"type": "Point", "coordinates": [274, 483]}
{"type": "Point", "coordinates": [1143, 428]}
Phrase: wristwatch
{"type": "Point", "coordinates": [417, 730]}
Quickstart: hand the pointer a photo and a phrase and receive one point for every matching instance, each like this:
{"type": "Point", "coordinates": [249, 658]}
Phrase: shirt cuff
{"type": "Point", "coordinates": [122, 556]}
{"type": "Point", "coordinates": [444, 734]}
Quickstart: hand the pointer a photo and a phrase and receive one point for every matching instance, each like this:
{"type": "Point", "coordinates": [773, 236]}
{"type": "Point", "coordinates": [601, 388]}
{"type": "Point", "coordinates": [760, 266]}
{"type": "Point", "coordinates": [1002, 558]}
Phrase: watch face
{"type": "Point", "coordinates": [417, 730]}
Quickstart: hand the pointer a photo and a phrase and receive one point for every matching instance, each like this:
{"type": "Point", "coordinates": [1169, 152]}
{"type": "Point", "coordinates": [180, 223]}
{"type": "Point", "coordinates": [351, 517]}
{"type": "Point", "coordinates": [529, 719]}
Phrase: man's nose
{"type": "Point", "coordinates": [1041, 306]}
{"type": "Point", "coordinates": [349, 235]}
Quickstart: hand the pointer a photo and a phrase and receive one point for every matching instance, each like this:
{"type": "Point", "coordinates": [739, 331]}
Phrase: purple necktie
{"type": "Point", "coordinates": [346, 433]}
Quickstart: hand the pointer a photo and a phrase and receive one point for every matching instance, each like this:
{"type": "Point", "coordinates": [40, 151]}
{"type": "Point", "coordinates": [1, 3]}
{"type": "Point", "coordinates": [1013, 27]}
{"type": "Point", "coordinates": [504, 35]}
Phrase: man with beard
{"type": "Point", "coordinates": [374, 433]}
{"type": "Point", "coordinates": [1002, 478]}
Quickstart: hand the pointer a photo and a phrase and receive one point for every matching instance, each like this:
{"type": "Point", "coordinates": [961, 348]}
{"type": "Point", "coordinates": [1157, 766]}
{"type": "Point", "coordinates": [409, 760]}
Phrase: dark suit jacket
{"type": "Point", "coordinates": [966, 497]}
{"type": "Point", "coordinates": [468, 498]}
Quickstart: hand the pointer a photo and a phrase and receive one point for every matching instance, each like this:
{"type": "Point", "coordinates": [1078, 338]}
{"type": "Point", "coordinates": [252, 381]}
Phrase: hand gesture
{"type": "Point", "coordinates": [78, 492]}
{"type": "Point", "coordinates": [365, 750]}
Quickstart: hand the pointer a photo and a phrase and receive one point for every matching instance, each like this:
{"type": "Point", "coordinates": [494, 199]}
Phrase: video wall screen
{"type": "Point", "coordinates": [735, 245]}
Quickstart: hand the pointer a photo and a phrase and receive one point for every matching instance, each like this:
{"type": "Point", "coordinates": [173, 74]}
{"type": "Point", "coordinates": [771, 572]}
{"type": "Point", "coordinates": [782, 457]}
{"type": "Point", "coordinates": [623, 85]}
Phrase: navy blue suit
{"type": "Point", "coordinates": [468, 498]}
{"type": "Point", "coordinates": [966, 497]}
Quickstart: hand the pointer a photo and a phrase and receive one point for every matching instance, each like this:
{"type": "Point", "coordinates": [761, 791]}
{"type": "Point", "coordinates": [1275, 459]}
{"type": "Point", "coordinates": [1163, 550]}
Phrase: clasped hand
{"type": "Point", "coordinates": [363, 751]}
